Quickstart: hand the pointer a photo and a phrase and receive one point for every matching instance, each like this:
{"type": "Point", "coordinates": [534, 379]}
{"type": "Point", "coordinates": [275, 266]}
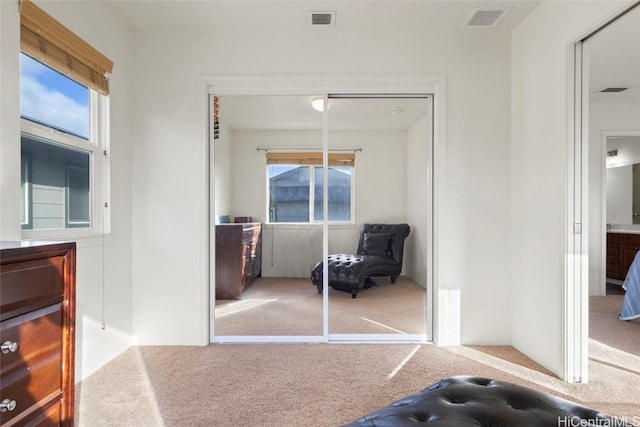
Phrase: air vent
{"type": "Point", "coordinates": [485, 18]}
{"type": "Point", "coordinates": [322, 19]}
{"type": "Point", "coordinates": [613, 89]}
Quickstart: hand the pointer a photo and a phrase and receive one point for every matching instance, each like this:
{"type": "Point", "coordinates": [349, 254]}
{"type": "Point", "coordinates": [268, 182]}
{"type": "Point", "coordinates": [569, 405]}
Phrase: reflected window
{"type": "Point", "coordinates": [296, 193]}
{"type": "Point", "coordinates": [339, 203]}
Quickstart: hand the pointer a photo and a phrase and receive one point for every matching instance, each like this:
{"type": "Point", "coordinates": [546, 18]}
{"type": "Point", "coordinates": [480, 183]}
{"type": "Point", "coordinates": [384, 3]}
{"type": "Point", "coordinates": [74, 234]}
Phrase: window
{"type": "Point", "coordinates": [296, 187]}
{"type": "Point", "coordinates": [64, 121]}
{"type": "Point", "coordinates": [59, 152]}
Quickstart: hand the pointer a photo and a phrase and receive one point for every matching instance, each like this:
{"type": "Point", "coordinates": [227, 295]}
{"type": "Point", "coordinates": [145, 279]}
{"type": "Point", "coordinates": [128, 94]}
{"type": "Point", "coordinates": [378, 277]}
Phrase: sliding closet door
{"type": "Point", "coordinates": [378, 179]}
{"type": "Point", "coordinates": [290, 176]}
{"type": "Point", "coordinates": [267, 240]}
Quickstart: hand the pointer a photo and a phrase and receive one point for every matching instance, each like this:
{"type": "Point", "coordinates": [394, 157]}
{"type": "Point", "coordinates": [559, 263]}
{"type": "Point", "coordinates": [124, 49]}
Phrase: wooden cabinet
{"type": "Point", "coordinates": [238, 258]}
{"type": "Point", "coordinates": [621, 250]}
{"type": "Point", "coordinates": [37, 333]}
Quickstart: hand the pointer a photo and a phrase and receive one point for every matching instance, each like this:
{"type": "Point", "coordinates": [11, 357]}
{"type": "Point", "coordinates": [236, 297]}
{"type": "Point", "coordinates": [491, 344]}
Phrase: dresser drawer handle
{"type": "Point", "coordinates": [7, 405]}
{"type": "Point", "coordinates": [9, 347]}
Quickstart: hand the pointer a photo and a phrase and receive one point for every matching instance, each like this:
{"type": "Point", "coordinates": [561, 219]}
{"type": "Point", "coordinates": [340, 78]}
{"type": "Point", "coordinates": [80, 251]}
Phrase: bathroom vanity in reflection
{"type": "Point", "coordinates": [621, 250]}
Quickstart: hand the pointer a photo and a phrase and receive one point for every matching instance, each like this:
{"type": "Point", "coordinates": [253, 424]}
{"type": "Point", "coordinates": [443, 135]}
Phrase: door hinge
{"type": "Point", "coordinates": [577, 228]}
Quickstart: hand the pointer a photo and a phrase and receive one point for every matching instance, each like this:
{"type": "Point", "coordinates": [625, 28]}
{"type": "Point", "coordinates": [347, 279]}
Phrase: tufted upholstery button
{"type": "Point", "coordinates": [477, 401]}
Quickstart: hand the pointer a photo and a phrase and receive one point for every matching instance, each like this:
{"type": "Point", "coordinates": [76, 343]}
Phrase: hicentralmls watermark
{"type": "Point", "coordinates": [586, 422]}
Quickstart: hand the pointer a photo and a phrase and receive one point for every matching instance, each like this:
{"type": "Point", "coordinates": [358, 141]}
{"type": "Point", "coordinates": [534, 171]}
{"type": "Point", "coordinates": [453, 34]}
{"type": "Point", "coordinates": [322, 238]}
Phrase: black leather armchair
{"type": "Point", "coordinates": [380, 253]}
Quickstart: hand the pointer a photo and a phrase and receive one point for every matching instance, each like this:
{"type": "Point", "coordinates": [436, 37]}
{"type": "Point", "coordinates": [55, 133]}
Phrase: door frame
{"type": "Point", "coordinates": [346, 85]}
{"type": "Point", "coordinates": [603, 227]}
{"type": "Point", "coordinates": [576, 295]}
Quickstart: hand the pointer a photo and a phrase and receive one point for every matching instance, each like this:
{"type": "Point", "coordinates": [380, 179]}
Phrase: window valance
{"type": "Point", "coordinates": [311, 159]}
{"type": "Point", "coordinates": [51, 43]}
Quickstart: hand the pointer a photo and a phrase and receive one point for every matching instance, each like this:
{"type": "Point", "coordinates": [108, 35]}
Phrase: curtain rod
{"type": "Point", "coordinates": [307, 149]}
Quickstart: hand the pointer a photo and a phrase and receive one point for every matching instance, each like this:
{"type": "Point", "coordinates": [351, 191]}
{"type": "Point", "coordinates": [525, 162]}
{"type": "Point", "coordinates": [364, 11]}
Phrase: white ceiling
{"type": "Point", "coordinates": [614, 58]}
{"type": "Point", "coordinates": [614, 52]}
{"type": "Point", "coordinates": [220, 16]}
{"type": "Point", "coordinates": [295, 112]}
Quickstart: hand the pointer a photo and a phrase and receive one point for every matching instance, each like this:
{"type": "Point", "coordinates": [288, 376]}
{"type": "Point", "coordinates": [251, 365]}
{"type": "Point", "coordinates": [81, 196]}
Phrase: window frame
{"type": "Point", "coordinates": [25, 192]}
{"type": "Point", "coordinates": [97, 145]}
{"type": "Point", "coordinates": [311, 221]}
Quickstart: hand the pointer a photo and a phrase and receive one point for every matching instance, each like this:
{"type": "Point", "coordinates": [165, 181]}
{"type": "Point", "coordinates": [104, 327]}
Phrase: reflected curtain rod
{"type": "Point", "coordinates": [303, 149]}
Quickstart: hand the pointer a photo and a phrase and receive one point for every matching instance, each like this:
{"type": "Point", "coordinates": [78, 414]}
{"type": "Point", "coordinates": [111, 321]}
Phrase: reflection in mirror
{"type": "Point", "coordinates": [263, 183]}
{"type": "Point", "coordinates": [269, 182]}
{"type": "Point", "coordinates": [380, 265]}
{"type": "Point", "coordinates": [623, 179]}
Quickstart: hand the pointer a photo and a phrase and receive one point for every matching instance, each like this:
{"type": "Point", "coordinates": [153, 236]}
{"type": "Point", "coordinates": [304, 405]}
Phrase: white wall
{"type": "Point", "coordinates": [619, 198]}
{"type": "Point", "coordinates": [221, 169]}
{"type": "Point", "coordinates": [603, 116]}
{"type": "Point", "coordinates": [10, 125]}
{"type": "Point", "coordinates": [539, 150]}
{"type": "Point", "coordinates": [418, 179]}
{"type": "Point", "coordinates": [99, 26]}
{"type": "Point", "coordinates": [169, 133]}
{"type": "Point", "coordinates": [380, 193]}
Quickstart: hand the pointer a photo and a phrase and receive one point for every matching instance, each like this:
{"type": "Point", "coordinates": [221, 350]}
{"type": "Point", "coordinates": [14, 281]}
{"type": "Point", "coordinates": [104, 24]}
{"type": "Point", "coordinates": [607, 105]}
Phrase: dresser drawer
{"type": "Point", "coordinates": [50, 417]}
{"type": "Point", "coordinates": [31, 283]}
{"type": "Point", "coordinates": [33, 386]}
{"type": "Point", "coordinates": [35, 334]}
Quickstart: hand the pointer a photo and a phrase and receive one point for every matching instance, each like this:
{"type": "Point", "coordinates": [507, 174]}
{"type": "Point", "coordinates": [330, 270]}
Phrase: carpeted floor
{"type": "Point", "coordinates": [331, 384]}
{"type": "Point", "coordinates": [290, 306]}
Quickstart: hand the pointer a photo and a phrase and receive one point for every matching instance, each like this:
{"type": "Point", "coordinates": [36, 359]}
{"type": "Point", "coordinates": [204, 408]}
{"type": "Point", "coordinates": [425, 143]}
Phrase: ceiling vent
{"type": "Point", "coordinates": [322, 19]}
{"type": "Point", "coordinates": [613, 89]}
{"type": "Point", "coordinates": [485, 18]}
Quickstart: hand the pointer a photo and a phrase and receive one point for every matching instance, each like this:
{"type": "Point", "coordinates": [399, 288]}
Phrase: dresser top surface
{"type": "Point", "coordinates": [18, 244]}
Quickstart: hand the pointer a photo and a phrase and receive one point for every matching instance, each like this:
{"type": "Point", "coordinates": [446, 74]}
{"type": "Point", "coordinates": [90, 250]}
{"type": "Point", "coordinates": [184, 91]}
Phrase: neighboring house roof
{"type": "Point", "coordinates": [293, 185]}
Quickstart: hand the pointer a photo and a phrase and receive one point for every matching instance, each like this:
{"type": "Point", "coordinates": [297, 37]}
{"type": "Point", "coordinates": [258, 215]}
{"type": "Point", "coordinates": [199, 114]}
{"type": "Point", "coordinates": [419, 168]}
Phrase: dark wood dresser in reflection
{"type": "Point", "coordinates": [238, 258]}
{"type": "Point", "coordinates": [37, 318]}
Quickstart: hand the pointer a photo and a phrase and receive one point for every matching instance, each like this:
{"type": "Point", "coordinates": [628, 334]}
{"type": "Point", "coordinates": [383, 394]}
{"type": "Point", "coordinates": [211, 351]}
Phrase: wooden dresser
{"type": "Point", "coordinates": [621, 250]}
{"type": "Point", "coordinates": [238, 258]}
{"type": "Point", "coordinates": [37, 315]}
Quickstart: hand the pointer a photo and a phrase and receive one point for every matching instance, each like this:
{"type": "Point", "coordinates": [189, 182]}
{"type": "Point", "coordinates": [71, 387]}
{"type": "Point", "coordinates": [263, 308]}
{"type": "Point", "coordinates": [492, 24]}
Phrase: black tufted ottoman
{"type": "Point", "coordinates": [474, 401]}
{"type": "Point", "coordinates": [348, 272]}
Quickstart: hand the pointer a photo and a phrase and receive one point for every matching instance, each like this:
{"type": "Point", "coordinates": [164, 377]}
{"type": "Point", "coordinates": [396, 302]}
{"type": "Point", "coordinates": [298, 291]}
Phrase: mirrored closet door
{"type": "Point", "coordinates": [291, 174]}
{"type": "Point", "coordinates": [378, 214]}
{"type": "Point", "coordinates": [266, 242]}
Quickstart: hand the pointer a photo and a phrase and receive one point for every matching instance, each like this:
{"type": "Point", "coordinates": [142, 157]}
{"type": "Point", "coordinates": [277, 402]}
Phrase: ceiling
{"type": "Point", "coordinates": [614, 51]}
{"type": "Point", "coordinates": [296, 112]}
{"type": "Point", "coordinates": [226, 16]}
{"type": "Point", "coordinates": [614, 59]}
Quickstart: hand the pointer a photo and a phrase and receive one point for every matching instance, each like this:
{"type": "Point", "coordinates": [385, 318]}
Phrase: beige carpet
{"type": "Point", "coordinates": [606, 328]}
{"type": "Point", "coordinates": [285, 306]}
{"type": "Point", "coordinates": [331, 384]}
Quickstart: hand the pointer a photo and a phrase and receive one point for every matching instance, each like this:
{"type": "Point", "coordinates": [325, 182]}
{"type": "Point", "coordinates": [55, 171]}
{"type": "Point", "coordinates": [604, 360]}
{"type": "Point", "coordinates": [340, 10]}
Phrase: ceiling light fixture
{"type": "Point", "coordinates": [318, 104]}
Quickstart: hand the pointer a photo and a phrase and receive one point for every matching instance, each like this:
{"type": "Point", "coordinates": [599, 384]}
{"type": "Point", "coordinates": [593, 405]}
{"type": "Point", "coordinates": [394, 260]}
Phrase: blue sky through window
{"type": "Point", "coordinates": [51, 98]}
